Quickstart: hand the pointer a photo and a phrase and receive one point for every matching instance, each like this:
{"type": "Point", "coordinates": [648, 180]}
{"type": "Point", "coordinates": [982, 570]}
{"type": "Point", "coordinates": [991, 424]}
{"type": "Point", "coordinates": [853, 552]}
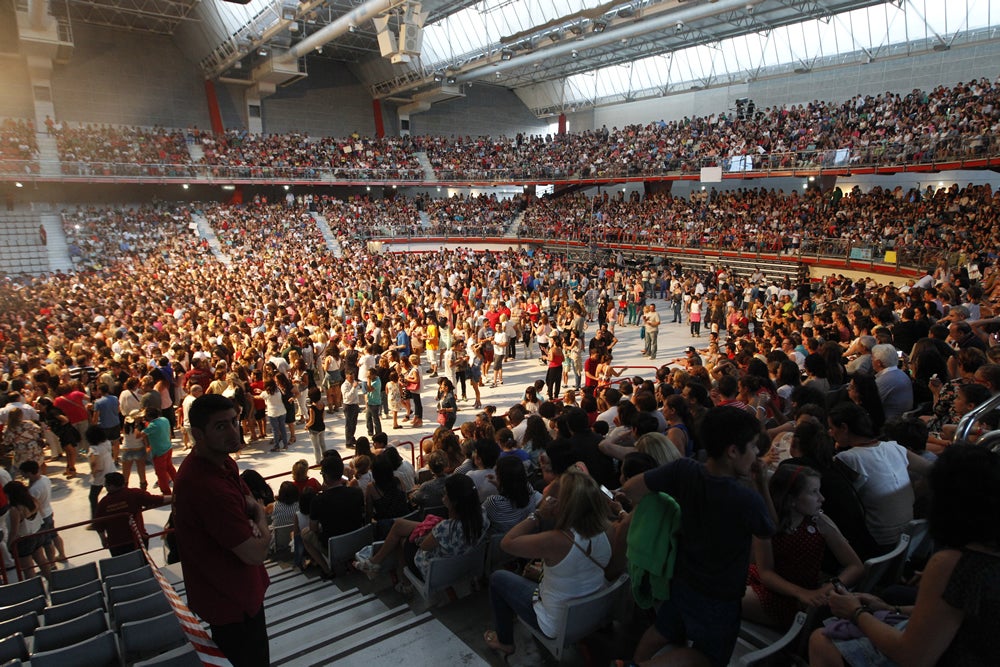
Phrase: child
{"type": "Point", "coordinates": [394, 397]}
{"type": "Point", "coordinates": [302, 527]}
{"type": "Point", "coordinates": [284, 511]}
{"type": "Point", "coordinates": [362, 472]}
{"type": "Point", "coordinates": [101, 463]}
{"type": "Point", "coordinates": [967, 398]}
{"type": "Point", "coordinates": [315, 424]}
{"type": "Point", "coordinates": [786, 576]}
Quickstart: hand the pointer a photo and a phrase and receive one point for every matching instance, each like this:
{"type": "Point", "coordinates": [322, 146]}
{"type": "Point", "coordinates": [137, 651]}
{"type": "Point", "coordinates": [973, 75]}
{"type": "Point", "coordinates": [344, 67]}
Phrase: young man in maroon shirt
{"type": "Point", "coordinates": [222, 535]}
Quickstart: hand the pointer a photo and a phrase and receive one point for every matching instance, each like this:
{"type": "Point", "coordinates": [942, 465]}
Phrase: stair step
{"type": "Point", "coordinates": [338, 634]}
{"type": "Point", "coordinates": [285, 610]}
{"type": "Point", "coordinates": [427, 638]}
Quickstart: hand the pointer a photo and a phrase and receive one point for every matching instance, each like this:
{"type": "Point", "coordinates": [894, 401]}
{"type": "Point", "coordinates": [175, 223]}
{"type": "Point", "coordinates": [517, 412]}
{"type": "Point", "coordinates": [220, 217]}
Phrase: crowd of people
{"type": "Point", "coordinates": [18, 144]}
{"type": "Point", "coordinates": [99, 237]}
{"type": "Point", "coordinates": [847, 396]}
{"type": "Point", "coordinates": [921, 226]}
{"type": "Point", "coordinates": [121, 150]}
{"type": "Point", "coordinates": [946, 123]}
{"type": "Point", "coordinates": [241, 154]}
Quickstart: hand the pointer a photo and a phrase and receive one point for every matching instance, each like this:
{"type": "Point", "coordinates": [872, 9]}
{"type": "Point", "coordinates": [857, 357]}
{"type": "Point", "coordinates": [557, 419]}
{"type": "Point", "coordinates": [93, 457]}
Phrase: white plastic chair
{"type": "Point", "coordinates": [877, 569]}
{"type": "Point", "coordinates": [340, 549]}
{"type": "Point", "coordinates": [583, 617]}
{"type": "Point", "coordinates": [444, 573]}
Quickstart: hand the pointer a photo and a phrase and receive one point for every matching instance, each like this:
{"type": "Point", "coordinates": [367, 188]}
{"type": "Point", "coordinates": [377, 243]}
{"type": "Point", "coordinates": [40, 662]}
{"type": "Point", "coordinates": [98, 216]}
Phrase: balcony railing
{"type": "Point", "coordinates": [958, 152]}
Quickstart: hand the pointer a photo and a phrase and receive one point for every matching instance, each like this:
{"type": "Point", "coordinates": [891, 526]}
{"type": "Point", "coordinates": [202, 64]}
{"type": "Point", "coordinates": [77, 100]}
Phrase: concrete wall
{"type": "Point", "coordinates": [128, 78]}
{"type": "Point", "coordinates": [15, 88]}
{"type": "Point", "coordinates": [330, 101]}
{"type": "Point", "coordinates": [484, 110]}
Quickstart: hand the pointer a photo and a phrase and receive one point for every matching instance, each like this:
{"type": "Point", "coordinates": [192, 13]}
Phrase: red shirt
{"type": "Point", "coordinates": [309, 483]}
{"type": "Point", "coordinates": [133, 501]}
{"type": "Point", "coordinates": [72, 405]}
{"type": "Point", "coordinates": [210, 519]}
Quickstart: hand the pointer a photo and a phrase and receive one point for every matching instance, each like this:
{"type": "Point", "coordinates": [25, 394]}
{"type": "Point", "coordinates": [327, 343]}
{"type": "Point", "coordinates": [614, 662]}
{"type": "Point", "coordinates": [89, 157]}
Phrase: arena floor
{"type": "Point", "coordinates": [70, 503]}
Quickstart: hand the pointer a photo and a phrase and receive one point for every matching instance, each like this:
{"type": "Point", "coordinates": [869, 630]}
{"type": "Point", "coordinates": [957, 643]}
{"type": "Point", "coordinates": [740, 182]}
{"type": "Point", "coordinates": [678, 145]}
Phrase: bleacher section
{"type": "Point", "coordinates": [22, 244]}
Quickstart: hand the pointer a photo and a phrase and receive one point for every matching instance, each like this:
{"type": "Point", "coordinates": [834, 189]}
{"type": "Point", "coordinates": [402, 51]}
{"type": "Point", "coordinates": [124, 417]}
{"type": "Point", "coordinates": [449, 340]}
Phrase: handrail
{"type": "Point", "coordinates": [104, 519]}
{"type": "Point", "coordinates": [972, 151]}
{"type": "Point", "coordinates": [974, 415]}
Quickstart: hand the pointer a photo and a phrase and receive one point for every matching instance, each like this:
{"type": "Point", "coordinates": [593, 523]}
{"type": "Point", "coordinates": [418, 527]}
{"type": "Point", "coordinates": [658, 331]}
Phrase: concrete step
{"type": "Point", "coordinates": [342, 632]}
{"type": "Point", "coordinates": [514, 227]}
{"type": "Point", "coordinates": [205, 231]}
{"type": "Point", "coordinates": [57, 248]}
{"type": "Point", "coordinates": [427, 638]}
{"type": "Point", "coordinates": [425, 164]}
{"type": "Point", "coordinates": [332, 243]}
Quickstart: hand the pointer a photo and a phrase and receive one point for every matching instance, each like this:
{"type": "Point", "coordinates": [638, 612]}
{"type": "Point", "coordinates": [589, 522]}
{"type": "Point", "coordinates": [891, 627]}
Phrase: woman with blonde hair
{"type": "Point", "coordinates": [659, 446]}
{"type": "Point", "coordinates": [575, 552]}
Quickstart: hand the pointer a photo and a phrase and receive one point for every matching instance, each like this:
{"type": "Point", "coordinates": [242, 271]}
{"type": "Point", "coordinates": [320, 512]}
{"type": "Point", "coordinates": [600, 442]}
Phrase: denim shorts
{"type": "Point", "coordinates": [710, 624]}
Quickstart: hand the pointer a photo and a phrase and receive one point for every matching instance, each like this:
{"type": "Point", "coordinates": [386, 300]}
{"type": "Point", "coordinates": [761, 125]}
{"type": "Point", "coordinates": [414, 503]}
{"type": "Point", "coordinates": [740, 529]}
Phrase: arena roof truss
{"type": "Point", "coordinates": [560, 55]}
{"type": "Point", "coordinates": [156, 16]}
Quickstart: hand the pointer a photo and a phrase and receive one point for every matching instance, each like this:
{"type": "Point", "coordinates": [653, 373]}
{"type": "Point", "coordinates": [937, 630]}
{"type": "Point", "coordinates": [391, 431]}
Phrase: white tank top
{"type": "Point", "coordinates": [575, 576]}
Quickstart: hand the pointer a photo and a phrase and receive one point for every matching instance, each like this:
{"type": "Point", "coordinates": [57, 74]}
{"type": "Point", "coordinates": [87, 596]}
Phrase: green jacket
{"type": "Point", "coordinates": [652, 548]}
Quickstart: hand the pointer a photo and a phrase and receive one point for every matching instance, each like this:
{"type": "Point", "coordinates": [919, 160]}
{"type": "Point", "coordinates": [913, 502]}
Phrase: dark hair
{"type": "Point", "coordinates": [645, 423]}
{"type": "Point", "coordinates": [94, 435]}
{"type": "Point", "coordinates": [788, 373]}
{"type": "Point", "coordinates": [306, 501]}
{"type": "Point", "coordinates": [29, 467]}
{"type": "Point", "coordinates": [288, 493]}
{"type": "Point", "coordinates": [332, 466]}
{"type": "Point", "coordinates": [785, 485]}
{"type": "Point", "coordinates": [965, 497]}
{"type": "Point", "coordinates": [637, 463]}
{"type": "Point", "coordinates": [382, 473]}
{"type": "Point", "coordinates": [644, 401]}
{"type": "Point", "coordinates": [18, 494]}
{"type": "Point", "coordinates": [512, 480]}
{"type": "Point", "coordinates": [870, 398]}
{"type": "Point", "coordinates": [488, 450]}
{"type": "Point", "coordinates": [115, 479]}
{"type": "Point", "coordinates": [362, 446]}
{"type": "Point", "coordinates": [537, 433]}
{"type": "Point", "coordinates": [392, 455]}
{"type": "Point", "coordinates": [910, 433]}
{"type": "Point", "coordinates": [728, 386]}
{"type": "Point", "coordinates": [803, 394]}
{"type": "Point", "coordinates": [854, 417]}
{"type": "Point", "coordinates": [206, 405]}
{"type": "Point", "coordinates": [976, 394]}
{"type": "Point", "coordinates": [259, 488]}
{"type": "Point", "coordinates": [464, 499]}
{"type": "Point", "coordinates": [725, 426]}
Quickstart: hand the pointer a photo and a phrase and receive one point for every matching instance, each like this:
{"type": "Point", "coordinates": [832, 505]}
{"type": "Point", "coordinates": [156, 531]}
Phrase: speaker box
{"type": "Point", "coordinates": [410, 38]}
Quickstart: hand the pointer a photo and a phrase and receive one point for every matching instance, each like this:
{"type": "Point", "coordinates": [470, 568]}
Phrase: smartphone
{"type": "Point", "coordinates": [606, 491]}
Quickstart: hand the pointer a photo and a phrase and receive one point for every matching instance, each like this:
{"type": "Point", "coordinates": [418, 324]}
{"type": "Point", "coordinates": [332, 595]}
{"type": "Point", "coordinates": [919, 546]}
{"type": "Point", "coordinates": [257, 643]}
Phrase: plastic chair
{"type": "Point", "coordinates": [444, 573]}
{"type": "Point", "coordinates": [120, 564]}
{"type": "Point", "coordinates": [69, 594]}
{"type": "Point", "coordinates": [583, 617]}
{"type": "Point", "coordinates": [281, 538]}
{"type": "Point", "coordinates": [151, 636]}
{"type": "Point", "coordinates": [99, 651]}
{"type": "Point", "coordinates": [768, 640]}
{"type": "Point", "coordinates": [25, 624]}
{"type": "Point", "coordinates": [340, 549]}
{"type": "Point", "coordinates": [437, 510]}
{"type": "Point", "coordinates": [185, 656]}
{"type": "Point", "coordinates": [35, 604]}
{"type": "Point", "coordinates": [131, 577]}
{"type": "Point", "coordinates": [147, 606]}
{"type": "Point", "coordinates": [11, 594]}
{"type": "Point", "coordinates": [13, 647]}
{"type": "Point", "coordinates": [73, 631]}
{"type": "Point", "coordinates": [877, 569]}
{"type": "Point", "coordinates": [496, 556]}
{"type": "Point", "coordinates": [72, 577]}
{"type": "Point", "coordinates": [64, 612]}
{"type": "Point", "coordinates": [132, 591]}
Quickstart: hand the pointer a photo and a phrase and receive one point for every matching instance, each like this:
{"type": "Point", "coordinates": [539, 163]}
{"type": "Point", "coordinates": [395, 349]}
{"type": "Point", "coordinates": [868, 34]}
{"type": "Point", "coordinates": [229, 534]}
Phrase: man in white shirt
{"type": "Point", "coordinates": [40, 488]}
{"type": "Point", "coordinates": [196, 390]}
{"type": "Point", "coordinates": [484, 455]}
{"type": "Point", "coordinates": [352, 391]}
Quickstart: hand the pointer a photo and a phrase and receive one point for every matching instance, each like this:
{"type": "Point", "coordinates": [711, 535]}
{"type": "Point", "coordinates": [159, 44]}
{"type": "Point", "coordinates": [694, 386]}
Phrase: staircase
{"type": "Point", "coordinates": [56, 247]}
{"type": "Point", "coordinates": [205, 231]}
{"type": "Point", "coordinates": [332, 244]}
{"type": "Point", "coordinates": [425, 220]}
{"type": "Point", "coordinates": [514, 228]}
{"type": "Point", "coordinates": [195, 149]}
{"type": "Point", "coordinates": [315, 622]}
{"type": "Point", "coordinates": [48, 155]}
{"type": "Point", "coordinates": [425, 164]}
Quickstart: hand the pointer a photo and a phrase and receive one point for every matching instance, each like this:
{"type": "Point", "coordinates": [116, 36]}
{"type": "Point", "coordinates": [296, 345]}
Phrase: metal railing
{"type": "Point", "coordinates": [957, 152]}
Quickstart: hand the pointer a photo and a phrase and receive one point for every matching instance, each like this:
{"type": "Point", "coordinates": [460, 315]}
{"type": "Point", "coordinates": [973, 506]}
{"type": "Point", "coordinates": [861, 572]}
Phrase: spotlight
{"type": "Point", "coordinates": [262, 52]}
{"type": "Point", "coordinates": [575, 53]}
{"type": "Point", "coordinates": [287, 188]}
{"type": "Point", "coordinates": [438, 77]}
{"type": "Point", "coordinates": [18, 184]}
{"type": "Point", "coordinates": [679, 26]}
{"type": "Point", "coordinates": [506, 54]}
{"type": "Point", "coordinates": [185, 186]}
{"type": "Point", "coordinates": [600, 25]}
{"type": "Point", "coordinates": [450, 79]}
